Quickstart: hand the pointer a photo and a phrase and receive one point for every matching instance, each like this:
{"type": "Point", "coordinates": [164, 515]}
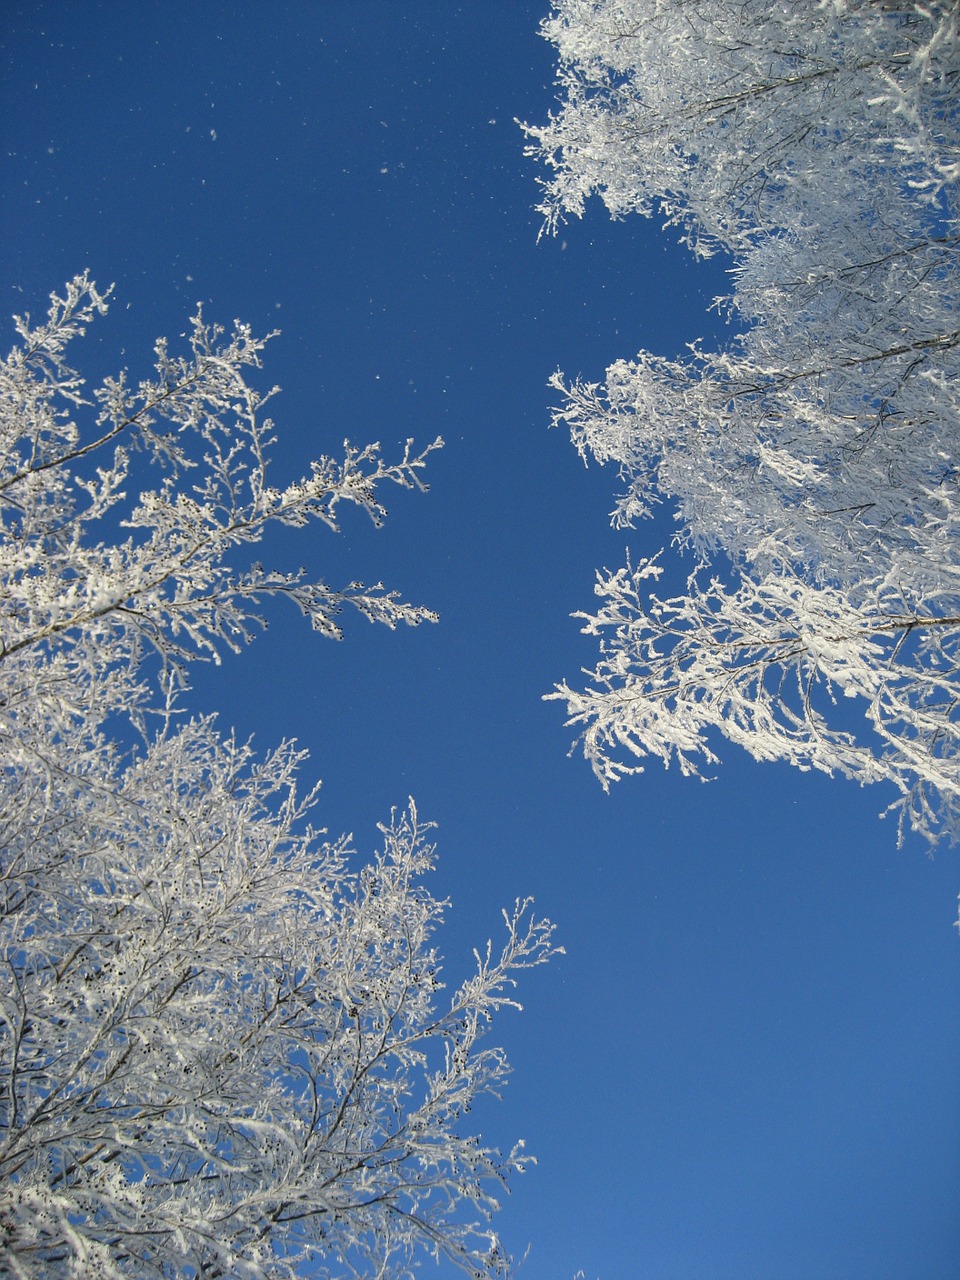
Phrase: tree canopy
{"type": "Point", "coordinates": [225, 1049]}
{"type": "Point", "coordinates": [812, 463]}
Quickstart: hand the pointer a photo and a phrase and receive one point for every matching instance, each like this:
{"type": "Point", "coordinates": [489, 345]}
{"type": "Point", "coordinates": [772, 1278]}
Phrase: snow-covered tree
{"type": "Point", "coordinates": [225, 1048]}
{"type": "Point", "coordinates": [813, 465]}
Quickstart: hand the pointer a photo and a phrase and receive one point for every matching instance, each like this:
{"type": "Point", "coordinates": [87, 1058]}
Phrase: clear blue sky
{"type": "Point", "coordinates": [748, 1064]}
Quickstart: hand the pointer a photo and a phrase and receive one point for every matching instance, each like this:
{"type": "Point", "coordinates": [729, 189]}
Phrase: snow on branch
{"type": "Point", "coordinates": [813, 464]}
{"type": "Point", "coordinates": [225, 1048]}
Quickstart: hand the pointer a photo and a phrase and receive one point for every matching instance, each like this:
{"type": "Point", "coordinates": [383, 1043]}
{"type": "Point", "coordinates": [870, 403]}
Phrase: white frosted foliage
{"type": "Point", "coordinates": [225, 1045]}
{"type": "Point", "coordinates": [813, 463]}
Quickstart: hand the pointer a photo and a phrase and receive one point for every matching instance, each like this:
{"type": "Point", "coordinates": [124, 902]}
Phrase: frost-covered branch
{"type": "Point", "coordinates": [814, 463]}
{"type": "Point", "coordinates": [765, 664]}
{"type": "Point", "coordinates": [166, 583]}
{"type": "Point", "coordinates": [224, 1045]}
{"type": "Point", "coordinates": [225, 1049]}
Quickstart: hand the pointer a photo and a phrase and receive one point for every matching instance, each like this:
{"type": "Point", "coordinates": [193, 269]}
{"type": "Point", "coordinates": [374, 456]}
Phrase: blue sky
{"type": "Point", "coordinates": [747, 1065]}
